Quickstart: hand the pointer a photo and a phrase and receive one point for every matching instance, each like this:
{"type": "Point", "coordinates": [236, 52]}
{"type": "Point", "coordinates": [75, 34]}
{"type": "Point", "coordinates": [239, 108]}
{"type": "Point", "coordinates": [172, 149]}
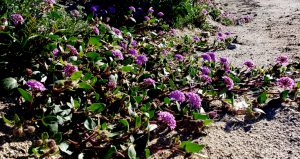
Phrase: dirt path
{"type": "Point", "coordinates": [275, 30]}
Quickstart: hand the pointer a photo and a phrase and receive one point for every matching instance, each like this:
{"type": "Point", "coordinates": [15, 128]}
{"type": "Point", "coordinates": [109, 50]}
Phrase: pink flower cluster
{"type": "Point", "coordinates": [167, 118]}
{"type": "Point", "coordinates": [36, 85]}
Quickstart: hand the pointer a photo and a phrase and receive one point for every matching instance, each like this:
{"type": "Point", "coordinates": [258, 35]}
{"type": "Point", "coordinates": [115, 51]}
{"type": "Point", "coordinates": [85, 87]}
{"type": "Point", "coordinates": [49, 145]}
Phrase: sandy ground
{"type": "Point", "coordinates": [11, 147]}
{"type": "Point", "coordinates": [273, 31]}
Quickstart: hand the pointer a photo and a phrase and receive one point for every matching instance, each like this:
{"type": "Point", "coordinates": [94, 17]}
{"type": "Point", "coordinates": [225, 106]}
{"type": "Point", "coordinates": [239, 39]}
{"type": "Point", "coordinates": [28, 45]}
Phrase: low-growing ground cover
{"type": "Point", "coordinates": [107, 91]}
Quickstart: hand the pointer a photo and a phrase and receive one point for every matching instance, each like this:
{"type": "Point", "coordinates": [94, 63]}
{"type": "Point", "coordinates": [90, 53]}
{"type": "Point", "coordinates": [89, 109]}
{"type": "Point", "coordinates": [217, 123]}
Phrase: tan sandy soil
{"type": "Point", "coordinates": [273, 31]}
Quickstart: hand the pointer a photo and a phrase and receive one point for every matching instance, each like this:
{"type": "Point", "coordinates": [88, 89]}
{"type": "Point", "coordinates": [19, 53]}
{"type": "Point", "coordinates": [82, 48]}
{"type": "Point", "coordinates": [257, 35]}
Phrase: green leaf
{"type": "Point", "coordinates": [93, 56]}
{"type": "Point", "coordinates": [207, 122]}
{"type": "Point", "coordinates": [125, 123]}
{"type": "Point", "coordinates": [27, 96]}
{"type": "Point", "coordinates": [127, 68]}
{"type": "Point", "coordinates": [131, 152]}
{"type": "Point", "coordinates": [9, 83]}
{"type": "Point", "coordinates": [95, 41]}
{"type": "Point", "coordinates": [76, 75]}
{"type": "Point", "coordinates": [87, 76]}
{"type": "Point", "coordinates": [138, 99]}
{"type": "Point", "coordinates": [17, 119]}
{"type": "Point", "coordinates": [6, 121]}
{"type": "Point", "coordinates": [138, 121]}
{"type": "Point", "coordinates": [53, 127]}
{"type": "Point", "coordinates": [97, 107]}
{"type": "Point", "coordinates": [81, 156]}
{"type": "Point", "coordinates": [167, 100]}
{"type": "Point", "coordinates": [192, 71]}
{"type": "Point", "coordinates": [44, 136]}
{"type": "Point", "coordinates": [172, 84]}
{"type": "Point", "coordinates": [64, 148]}
{"type": "Point", "coordinates": [298, 85]}
{"type": "Point", "coordinates": [284, 94]}
{"type": "Point", "coordinates": [198, 116]}
{"type": "Point", "coordinates": [89, 123]}
{"type": "Point", "coordinates": [57, 137]}
{"type": "Point", "coordinates": [104, 126]}
{"type": "Point", "coordinates": [147, 153]}
{"type": "Point", "coordinates": [110, 152]}
{"type": "Point", "coordinates": [85, 85]}
{"type": "Point", "coordinates": [262, 98]}
{"type": "Point", "coordinates": [49, 120]}
{"type": "Point", "coordinates": [152, 127]}
{"type": "Point", "coordinates": [190, 147]}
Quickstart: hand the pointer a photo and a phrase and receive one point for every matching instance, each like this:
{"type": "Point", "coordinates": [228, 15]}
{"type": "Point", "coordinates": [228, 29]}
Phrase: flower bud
{"type": "Point", "coordinates": [28, 71]}
{"type": "Point", "coordinates": [18, 132]}
{"type": "Point", "coordinates": [38, 142]}
{"type": "Point", "coordinates": [51, 143]}
{"type": "Point", "coordinates": [53, 149]}
{"type": "Point", "coordinates": [30, 129]}
{"type": "Point", "coordinates": [212, 114]}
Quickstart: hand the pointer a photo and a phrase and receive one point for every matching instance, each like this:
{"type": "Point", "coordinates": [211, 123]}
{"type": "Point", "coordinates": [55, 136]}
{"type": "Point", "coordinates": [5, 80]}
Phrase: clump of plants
{"type": "Point", "coordinates": [106, 91]}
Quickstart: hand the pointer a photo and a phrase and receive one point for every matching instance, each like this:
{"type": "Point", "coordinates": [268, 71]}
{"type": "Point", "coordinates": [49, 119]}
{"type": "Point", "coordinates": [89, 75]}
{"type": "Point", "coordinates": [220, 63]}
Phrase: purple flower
{"type": "Point", "coordinates": [286, 83]}
{"type": "Point", "coordinates": [173, 31]}
{"type": "Point", "coordinates": [36, 85]}
{"type": "Point", "coordinates": [204, 12]}
{"type": "Point", "coordinates": [194, 100]}
{"type": "Point", "coordinates": [178, 57]}
{"type": "Point", "coordinates": [72, 49]}
{"type": "Point", "coordinates": [112, 10]}
{"type": "Point", "coordinates": [167, 118]}
{"type": "Point", "coordinates": [17, 19]}
{"type": "Point", "coordinates": [249, 64]}
{"type": "Point", "coordinates": [118, 54]}
{"type": "Point", "coordinates": [117, 31]}
{"type": "Point", "coordinates": [246, 18]}
{"type": "Point", "coordinates": [196, 38]}
{"type": "Point", "coordinates": [55, 52]}
{"type": "Point", "coordinates": [228, 82]}
{"type": "Point", "coordinates": [206, 79]}
{"type": "Point", "coordinates": [132, 8]}
{"type": "Point", "coordinates": [227, 33]}
{"type": "Point", "coordinates": [133, 52]}
{"type": "Point", "coordinates": [70, 69]}
{"type": "Point", "coordinates": [96, 30]}
{"type": "Point", "coordinates": [165, 52]}
{"type": "Point", "coordinates": [224, 61]}
{"type": "Point", "coordinates": [160, 14]}
{"type": "Point", "coordinates": [146, 18]}
{"type": "Point", "coordinates": [95, 8]}
{"type": "Point", "coordinates": [149, 81]}
{"type": "Point", "coordinates": [282, 59]}
{"type": "Point", "coordinates": [133, 43]}
{"type": "Point", "coordinates": [161, 32]}
{"type": "Point", "coordinates": [206, 57]}
{"type": "Point", "coordinates": [205, 70]}
{"type": "Point", "coordinates": [50, 2]}
{"type": "Point", "coordinates": [111, 83]}
{"type": "Point", "coordinates": [150, 10]}
{"type": "Point", "coordinates": [177, 95]}
{"type": "Point", "coordinates": [123, 45]}
{"type": "Point", "coordinates": [141, 60]}
{"type": "Point", "coordinates": [226, 68]}
{"type": "Point", "coordinates": [220, 36]}
{"type": "Point", "coordinates": [212, 56]}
